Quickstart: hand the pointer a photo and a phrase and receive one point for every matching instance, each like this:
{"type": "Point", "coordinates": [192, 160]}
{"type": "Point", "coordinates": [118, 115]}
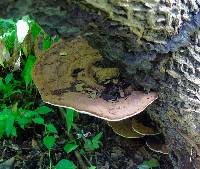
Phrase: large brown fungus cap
{"type": "Point", "coordinates": [68, 75]}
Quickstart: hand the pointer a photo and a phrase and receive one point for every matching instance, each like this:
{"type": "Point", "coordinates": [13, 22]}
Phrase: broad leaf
{"type": "Point", "coordinates": [27, 72]}
{"type": "Point", "coordinates": [43, 110]}
{"type": "Point", "coordinates": [49, 141]}
{"type": "Point", "coordinates": [46, 43]}
{"type": "Point", "coordinates": [8, 78]}
{"type": "Point", "coordinates": [2, 128]}
{"type": "Point", "coordinates": [149, 164]}
{"type": "Point", "coordinates": [92, 167]}
{"type": "Point", "coordinates": [14, 132]}
{"type": "Point", "coordinates": [94, 143]}
{"type": "Point", "coordinates": [9, 123]}
{"type": "Point", "coordinates": [9, 40]}
{"type": "Point", "coordinates": [35, 29]}
{"type": "Point", "coordinates": [38, 120]}
{"type": "Point", "coordinates": [69, 119]}
{"type": "Point", "coordinates": [70, 147]}
{"type": "Point", "coordinates": [23, 122]}
{"type": "Point", "coordinates": [51, 128]}
{"type": "Point", "coordinates": [65, 164]}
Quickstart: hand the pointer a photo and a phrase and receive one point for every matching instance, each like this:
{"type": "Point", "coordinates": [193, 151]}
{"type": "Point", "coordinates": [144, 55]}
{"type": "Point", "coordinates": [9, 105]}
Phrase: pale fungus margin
{"type": "Point", "coordinates": [157, 145]}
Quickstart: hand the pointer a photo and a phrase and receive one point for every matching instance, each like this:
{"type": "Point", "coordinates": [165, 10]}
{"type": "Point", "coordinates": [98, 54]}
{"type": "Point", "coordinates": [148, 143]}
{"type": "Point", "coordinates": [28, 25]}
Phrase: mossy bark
{"type": "Point", "coordinates": [178, 107]}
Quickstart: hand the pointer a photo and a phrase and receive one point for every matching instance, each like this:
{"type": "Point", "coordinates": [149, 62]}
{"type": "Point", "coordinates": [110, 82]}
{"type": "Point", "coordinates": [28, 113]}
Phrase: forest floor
{"type": "Point", "coordinates": [115, 152]}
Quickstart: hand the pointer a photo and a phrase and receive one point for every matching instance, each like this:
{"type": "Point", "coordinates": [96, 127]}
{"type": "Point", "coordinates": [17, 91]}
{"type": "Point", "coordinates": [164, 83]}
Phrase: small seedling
{"type": "Point", "coordinates": [149, 164]}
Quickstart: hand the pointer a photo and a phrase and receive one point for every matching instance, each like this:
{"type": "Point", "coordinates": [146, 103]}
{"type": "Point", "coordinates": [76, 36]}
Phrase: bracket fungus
{"type": "Point", "coordinates": [143, 125]}
{"type": "Point", "coordinates": [156, 144]}
{"type": "Point", "coordinates": [69, 75]}
{"type": "Point", "coordinates": [134, 127]}
{"type": "Point", "coordinates": [124, 129]}
{"type": "Point", "coordinates": [137, 127]}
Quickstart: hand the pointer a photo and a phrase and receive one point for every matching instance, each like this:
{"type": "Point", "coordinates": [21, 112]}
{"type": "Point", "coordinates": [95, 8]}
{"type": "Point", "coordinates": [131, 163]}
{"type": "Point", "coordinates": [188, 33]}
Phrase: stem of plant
{"type": "Point", "coordinates": [50, 163]}
{"type": "Point", "coordinates": [84, 139]}
{"type": "Point", "coordinates": [71, 137]}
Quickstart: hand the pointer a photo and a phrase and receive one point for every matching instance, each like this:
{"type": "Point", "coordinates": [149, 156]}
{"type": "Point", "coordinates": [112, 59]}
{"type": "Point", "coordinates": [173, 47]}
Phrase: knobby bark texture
{"type": "Point", "coordinates": [155, 43]}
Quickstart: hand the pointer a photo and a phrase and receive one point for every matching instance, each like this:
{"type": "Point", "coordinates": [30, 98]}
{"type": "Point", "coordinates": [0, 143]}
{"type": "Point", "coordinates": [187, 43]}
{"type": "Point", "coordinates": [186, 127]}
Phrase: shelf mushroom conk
{"type": "Point", "coordinates": [70, 74]}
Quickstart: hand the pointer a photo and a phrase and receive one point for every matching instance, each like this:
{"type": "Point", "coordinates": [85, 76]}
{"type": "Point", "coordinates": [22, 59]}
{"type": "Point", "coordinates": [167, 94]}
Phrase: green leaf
{"type": "Point", "coordinates": [10, 40]}
{"type": "Point", "coordinates": [9, 123]}
{"type": "Point", "coordinates": [27, 72]}
{"type": "Point", "coordinates": [43, 110]}
{"type": "Point", "coordinates": [2, 86]}
{"type": "Point", "coordinates": [92, 167]}
{"type": "Point", "coordinates": [8, 78]}
{"type": "Point", "coordinates": [82, 152]}
{"type": "Point", "coordinates": [70, 147]}
{"type": "Point", "coordinates": [38, 120]}
{"type": "Point", "coordinates": [96, 140]}
{"type": "Point", "coordinates": [94, 143]}
{"type": "Point", "coordinates": [65, 164]}
{"type": "Point", "coordinates": [28, 113]}
{"type": "Point", "coordinates": [2, 128]}
{"type": "Point", "coordinates": [49, 141]}
{"type": "Point", "coordinates": [14, 132]}
{"type": "Point", "coordinates": [46, 43]}
{"type": "Point", "coordinates": [51, 128]}
{"type": "Point", "coordinates": [35, 29]}
{"type": "Point", "coordinates": [149, 164]}
{"type": "Point", "coordinates": [23, 122]}
{"type": "Point", "coordinates": [88, 145]}
{"type": "Point", "coordinates": [69, 119]}
{"type": "Point", "coordinates": [6, 25]}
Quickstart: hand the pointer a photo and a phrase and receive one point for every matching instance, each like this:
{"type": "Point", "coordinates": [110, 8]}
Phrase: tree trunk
{"type": "Point", "coordinates": [156, 44]}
